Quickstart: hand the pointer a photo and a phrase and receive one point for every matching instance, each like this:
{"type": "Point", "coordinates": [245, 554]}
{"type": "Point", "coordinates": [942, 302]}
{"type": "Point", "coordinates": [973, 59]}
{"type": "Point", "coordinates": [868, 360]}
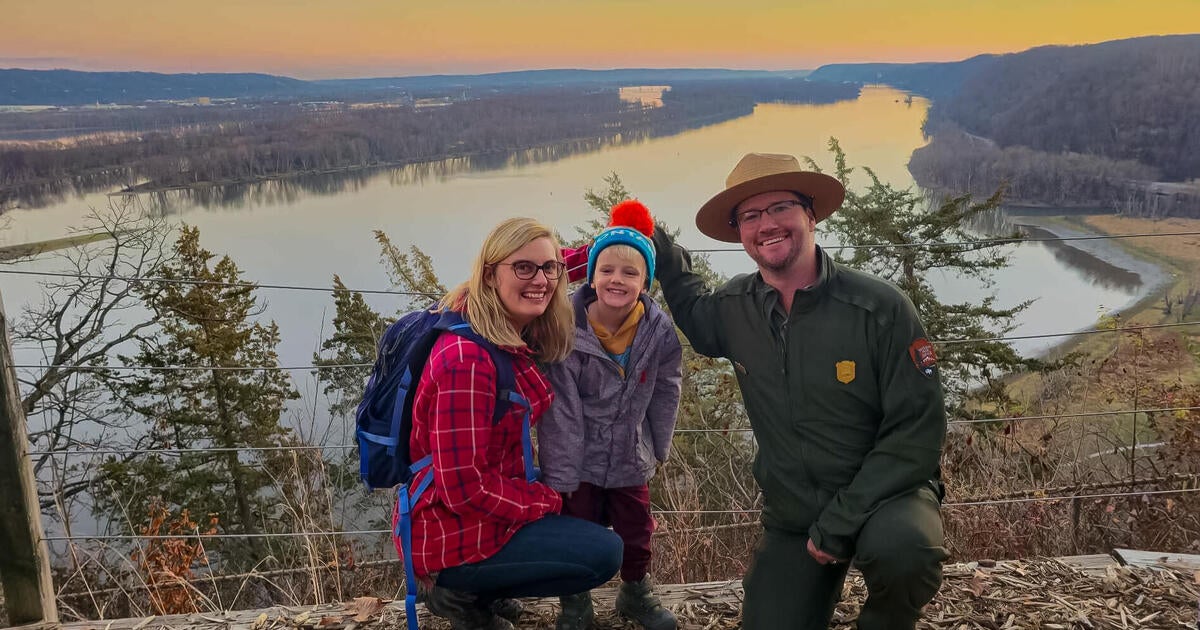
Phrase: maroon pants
{"type": "Point", "coordinates": [627, 510]}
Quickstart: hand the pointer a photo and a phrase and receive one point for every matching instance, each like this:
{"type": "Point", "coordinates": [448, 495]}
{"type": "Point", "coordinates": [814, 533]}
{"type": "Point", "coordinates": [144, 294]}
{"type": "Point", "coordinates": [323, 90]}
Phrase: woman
{"type": "Point", "coordinates": [482, 533]}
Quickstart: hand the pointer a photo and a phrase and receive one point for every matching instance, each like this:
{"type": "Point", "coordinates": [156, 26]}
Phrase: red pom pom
{"type": "Point", "coordinates": [632, 213]}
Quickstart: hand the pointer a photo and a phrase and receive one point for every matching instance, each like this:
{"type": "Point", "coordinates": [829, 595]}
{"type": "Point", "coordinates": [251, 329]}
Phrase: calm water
{"type": "Point", "coordinates": [303, 232]}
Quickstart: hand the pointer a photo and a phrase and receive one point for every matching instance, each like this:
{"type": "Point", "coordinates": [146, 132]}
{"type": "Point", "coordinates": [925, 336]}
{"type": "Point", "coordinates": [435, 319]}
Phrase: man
{"type": "Point", "coordinates": [841, 388]}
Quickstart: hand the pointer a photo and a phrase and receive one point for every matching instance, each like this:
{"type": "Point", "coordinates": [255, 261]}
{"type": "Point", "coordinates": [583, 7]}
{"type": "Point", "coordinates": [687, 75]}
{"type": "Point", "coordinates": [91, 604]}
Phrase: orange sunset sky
{"type": "Point", "coordinates": [313, 39]}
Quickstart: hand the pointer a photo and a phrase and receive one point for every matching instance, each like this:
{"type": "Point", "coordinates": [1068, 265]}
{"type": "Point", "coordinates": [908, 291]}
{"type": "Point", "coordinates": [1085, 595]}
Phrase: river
{"type": "Point", "coordinates": [303, 231]}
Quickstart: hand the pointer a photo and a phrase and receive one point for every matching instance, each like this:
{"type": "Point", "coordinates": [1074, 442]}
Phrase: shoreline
{"type": "Point", "coordinates": [1177, 259]}
{"type": "Point", "coordinates": [18, 251]}
{"type": "Point", "coordinates": [1154, 275]}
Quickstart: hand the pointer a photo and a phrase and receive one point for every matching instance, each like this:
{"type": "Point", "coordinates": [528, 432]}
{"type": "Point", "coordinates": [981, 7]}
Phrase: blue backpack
{"type": "Point", "coordinates": [384, 418]}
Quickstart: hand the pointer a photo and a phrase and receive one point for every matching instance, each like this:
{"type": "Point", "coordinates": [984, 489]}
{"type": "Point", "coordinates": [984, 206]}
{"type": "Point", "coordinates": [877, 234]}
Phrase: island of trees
{"type": "Point", "coordinates": [158, 148]}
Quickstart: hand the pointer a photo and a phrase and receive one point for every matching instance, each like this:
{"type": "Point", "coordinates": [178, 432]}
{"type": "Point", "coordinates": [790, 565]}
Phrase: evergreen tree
{"type": "Point", "coordinates": [356, 332]}
{"type": "Point", "coordinates": [411, 273]}
{"type": "Point", "coordinates": [210, 325]}
{"type": "Point", "coordinates": [354, 342]}
{"type": "Point", "coordinates": [896, 235]}
{"type": "Point", "coordinates": [357, 327]}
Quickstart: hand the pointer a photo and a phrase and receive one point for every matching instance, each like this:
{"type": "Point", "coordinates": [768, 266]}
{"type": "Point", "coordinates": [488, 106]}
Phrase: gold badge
{"type": "Point", "coordinates": [845, 371]}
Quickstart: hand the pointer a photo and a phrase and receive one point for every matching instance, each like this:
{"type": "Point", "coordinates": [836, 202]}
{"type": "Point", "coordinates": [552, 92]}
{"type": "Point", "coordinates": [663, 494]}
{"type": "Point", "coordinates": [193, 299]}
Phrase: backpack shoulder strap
{"type": "Point", "coordinates": [506, 380]}
{"type": "Point", "coordinates": [506, 386]}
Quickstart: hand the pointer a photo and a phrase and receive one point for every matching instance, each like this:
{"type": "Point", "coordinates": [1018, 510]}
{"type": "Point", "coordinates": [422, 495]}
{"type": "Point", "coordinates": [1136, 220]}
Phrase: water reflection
{"type": "Point", "coordinates": [55, 192]}
{"type": "Point", "coordinates": [1003, 222]}
{"type": "Point", "coordinates": [1099, 272]}
{"type": "Point", "coordinates": [284, 191]}
{"type": "Point", "coordinates": [290, 190]}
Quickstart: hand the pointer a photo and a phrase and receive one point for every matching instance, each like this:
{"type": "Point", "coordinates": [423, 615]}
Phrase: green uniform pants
{"type": "Point", "coordinates": [899, 551]}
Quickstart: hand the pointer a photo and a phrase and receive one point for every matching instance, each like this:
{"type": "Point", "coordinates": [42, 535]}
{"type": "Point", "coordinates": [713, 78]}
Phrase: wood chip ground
{"type": "Point", "coordinates": [1090, 592]}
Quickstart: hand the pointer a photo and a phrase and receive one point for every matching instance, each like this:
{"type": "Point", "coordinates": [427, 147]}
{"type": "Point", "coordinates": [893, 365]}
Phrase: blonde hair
{"type": "Point", "coordinates": [550, 336]}
{"type": "Point", "coordinates": [626, 254]}
{"type": "Point", "coordinates": [630, 255]}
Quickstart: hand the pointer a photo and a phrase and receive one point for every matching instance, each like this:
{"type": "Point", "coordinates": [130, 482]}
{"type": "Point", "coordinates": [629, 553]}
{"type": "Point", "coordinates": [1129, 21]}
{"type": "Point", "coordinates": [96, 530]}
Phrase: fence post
{"type": "Point", "coordinates": [24, 562]}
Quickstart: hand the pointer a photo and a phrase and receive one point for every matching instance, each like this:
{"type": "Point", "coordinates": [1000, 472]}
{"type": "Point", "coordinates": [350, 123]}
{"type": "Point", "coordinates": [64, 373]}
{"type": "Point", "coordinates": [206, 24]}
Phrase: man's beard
{"type": "Point", "coordinates": [781, 265]}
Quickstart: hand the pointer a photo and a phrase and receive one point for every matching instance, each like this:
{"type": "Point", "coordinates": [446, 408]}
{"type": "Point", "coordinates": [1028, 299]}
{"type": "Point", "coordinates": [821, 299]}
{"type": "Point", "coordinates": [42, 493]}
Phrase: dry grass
{"type": "Point", "coordinates": [1182, 249]}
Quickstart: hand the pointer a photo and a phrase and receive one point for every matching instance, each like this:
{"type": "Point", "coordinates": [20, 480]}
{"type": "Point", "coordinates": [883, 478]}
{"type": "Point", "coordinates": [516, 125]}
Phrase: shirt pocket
{"type": "Point", "coordinates": [645, 447]}
{"type": "Point", "coordinates": [589, 381]}
{"type": "Point", "coordinates": [597, 397]}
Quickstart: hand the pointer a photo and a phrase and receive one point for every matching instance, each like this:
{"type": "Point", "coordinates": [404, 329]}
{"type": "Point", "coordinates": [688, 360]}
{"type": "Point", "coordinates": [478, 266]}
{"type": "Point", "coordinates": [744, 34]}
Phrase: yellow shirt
{"type": "Point", "coordinates": [617, 344]}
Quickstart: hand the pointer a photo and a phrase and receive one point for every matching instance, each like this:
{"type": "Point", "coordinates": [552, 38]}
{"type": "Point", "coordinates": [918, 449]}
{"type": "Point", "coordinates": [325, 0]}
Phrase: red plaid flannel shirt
{"type": "Point", "coordinates": [479, 497]}
{"type": "Point", "coordinates": [576, 261]}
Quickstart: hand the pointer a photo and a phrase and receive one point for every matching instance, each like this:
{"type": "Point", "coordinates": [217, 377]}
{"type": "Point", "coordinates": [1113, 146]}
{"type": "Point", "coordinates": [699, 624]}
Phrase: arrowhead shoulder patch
{"type": "Point", "coordinates": [923, 357]}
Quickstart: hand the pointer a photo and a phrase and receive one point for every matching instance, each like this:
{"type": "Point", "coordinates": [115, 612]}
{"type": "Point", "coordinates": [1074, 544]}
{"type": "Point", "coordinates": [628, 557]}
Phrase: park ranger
{"type": "Point", "coordinates": [843, 394]}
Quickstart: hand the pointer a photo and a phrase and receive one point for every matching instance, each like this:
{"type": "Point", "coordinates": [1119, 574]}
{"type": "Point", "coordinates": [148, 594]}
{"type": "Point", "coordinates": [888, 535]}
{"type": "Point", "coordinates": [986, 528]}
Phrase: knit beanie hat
{"type": "Point", "coordinates": [630, 224]}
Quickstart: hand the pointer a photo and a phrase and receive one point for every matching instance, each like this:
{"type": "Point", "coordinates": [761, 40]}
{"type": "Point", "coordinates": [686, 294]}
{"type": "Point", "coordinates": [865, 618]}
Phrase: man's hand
{"type": "Point", "coordinates": [820, 556]}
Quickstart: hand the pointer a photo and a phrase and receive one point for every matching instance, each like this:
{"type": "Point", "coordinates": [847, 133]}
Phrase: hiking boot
{"type": "Point", "coordinates": [577, 612]}
{"type": "Point", "coordinates": [509, 608]}
{"type": "Point", "coordinates": [636, 601]}
{"type": "Point", "coordinates": [461, 609]}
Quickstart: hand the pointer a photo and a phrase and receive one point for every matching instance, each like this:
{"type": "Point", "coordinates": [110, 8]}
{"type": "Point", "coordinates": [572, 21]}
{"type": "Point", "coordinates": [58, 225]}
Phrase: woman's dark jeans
{"type": "Point", "coordinates": [552, 556]}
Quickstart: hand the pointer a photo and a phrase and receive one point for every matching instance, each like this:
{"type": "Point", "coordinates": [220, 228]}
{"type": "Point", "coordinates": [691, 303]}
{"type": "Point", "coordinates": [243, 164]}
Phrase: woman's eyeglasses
{"type": "Point", "coordinates": [525, 270]}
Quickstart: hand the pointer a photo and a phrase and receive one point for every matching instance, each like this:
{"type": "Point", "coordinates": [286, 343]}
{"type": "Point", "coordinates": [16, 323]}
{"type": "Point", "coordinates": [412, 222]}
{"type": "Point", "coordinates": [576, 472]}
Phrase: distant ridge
{"type": "Point", "coordinates": [933, 78]}
{"type": "Point", "coordinates": [73, 87]}
{"type": "Point", "coordinates": [545, 78]}
{"type": "Point", "coordinates": [941, 80]}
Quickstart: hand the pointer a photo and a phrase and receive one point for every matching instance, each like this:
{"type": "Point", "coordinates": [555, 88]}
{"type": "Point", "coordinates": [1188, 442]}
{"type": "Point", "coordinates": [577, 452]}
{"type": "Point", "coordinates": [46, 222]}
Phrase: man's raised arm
{"type": "Point", "coordinates": [693, 305]}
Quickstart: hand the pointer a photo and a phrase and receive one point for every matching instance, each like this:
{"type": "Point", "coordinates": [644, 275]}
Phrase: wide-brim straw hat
{"type": "Point", "coordinates": [758, 173]}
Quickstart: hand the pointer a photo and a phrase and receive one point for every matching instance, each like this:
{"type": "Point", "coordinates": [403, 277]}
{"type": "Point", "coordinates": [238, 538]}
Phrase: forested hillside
{"type": "Point", "coordinates": [1134, 99]}
{"type": "Point", "coordinates": [71, 87]}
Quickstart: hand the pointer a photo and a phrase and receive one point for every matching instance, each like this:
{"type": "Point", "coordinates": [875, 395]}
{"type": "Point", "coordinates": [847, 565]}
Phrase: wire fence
{"type": "Point", "coordinates": [975, 243]}
{"type": "Point", "coordinates": [345, 447]}
{"type": "Point", "coordinates": [667, 530]}
{"type": "Point", "coordinates": [327, 289]}
{"type": "Point", "coordinates": [330, 366]}
{"type": "Point", "coordinates": [655, 512]}
{"type": "Point", "coordinates": [1091, 492]}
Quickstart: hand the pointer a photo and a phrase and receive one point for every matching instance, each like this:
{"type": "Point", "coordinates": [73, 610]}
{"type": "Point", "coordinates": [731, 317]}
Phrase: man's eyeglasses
{"type": "Point", "coordinates": [779, 208]}
{"type": "Point", "coordinates": [526, 270]}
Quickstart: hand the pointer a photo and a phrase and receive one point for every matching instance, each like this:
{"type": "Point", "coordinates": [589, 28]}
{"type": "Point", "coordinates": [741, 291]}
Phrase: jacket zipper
{"type": "Point", "coordinates": [795, 398]}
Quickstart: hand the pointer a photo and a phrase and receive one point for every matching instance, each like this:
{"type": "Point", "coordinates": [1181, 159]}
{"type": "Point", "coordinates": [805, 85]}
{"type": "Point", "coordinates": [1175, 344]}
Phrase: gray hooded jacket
{"type": "Point", "coordinates": [603, 429]}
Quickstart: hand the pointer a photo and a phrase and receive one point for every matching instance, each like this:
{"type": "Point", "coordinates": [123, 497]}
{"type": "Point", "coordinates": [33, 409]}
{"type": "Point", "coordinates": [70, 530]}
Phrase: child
{"type": "Point", "coordinates": [613, 414]}
{"type": "Point", "coordinates": [482, 533]}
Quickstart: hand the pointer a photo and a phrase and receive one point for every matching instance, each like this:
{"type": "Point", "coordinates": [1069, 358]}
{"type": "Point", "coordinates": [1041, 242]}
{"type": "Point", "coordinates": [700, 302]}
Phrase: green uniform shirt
{"type": "Point", "coordinates": [843, 394]}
